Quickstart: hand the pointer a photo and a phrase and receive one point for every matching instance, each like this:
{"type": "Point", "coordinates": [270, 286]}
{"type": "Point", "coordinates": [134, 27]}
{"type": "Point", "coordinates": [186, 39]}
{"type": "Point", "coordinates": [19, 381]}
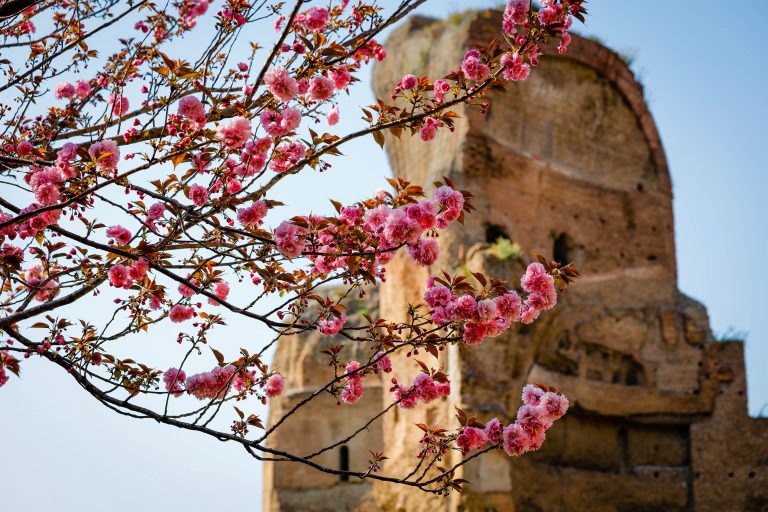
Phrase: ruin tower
{"type": "Point", "coordinates": [567, 164]}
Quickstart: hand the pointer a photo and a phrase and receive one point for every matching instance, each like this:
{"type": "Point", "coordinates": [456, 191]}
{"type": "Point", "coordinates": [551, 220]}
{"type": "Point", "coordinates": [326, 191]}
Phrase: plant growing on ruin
{"type": "Point", "coordinates": [143, 169]}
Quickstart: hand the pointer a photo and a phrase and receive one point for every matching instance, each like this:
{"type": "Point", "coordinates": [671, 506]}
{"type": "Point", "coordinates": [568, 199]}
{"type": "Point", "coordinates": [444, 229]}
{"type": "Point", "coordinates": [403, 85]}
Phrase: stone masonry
{"type": "Point", "coordinates": [567, 164]}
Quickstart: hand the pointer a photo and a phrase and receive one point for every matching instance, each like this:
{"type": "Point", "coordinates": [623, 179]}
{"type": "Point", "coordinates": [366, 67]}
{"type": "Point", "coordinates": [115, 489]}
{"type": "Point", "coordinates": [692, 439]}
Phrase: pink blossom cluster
{"type": "Point", "coordinates": [180, 313]}
{"type": "Point", "coordinates": [119, 103]}
{"type": "Point", "coordinates": [45, 288]}
{"type": "Point", "coordinates": [212, 384]}
{"type": "Point", "coordinates": [234, 133]}
{"type": "Point", "coordinates": [198, 195]}
{"type": "Point", "coordinates": [539, 411]}
{"type": "Point", "coordinates": [106, 154]}
{"type": "Point", "coordinates": [81, 89]}
{"type": "Point", "coordinates": [174, 380]}
{"type": "Point", "coordinates": [373, 227]}
{"type": "Point", "coordinates": [46, 182]}
{"type": "Point", "coordinates": [474, 68]}
{"type": "Point", "coordinates": [190, 10]}
{"type": "Point", "coordinates": [221, 291]}
{"type": "Point", "coordinates": [353, 386]}
{"type": "Point", "coordinates": [121, 276]}
{"type": "Point", "coordinates": [331, 325]}
{"type": "Point", "coordinates": [314, 19]}
{"type": "Point", "coordinates": [30, 226]}
{"type": "Point", "coordinates": [275, 385]}
{"type": "Point", "coordinates": [253, 214]}
{"type": "Point", "coordinates": [280, 123]}
{"type": "Point", "coordinates": [516, 13]}
{"type": "Point", "coordinates": [290, 239]}
{"type": "Point", "coordinates": [192, 108]}
{"type": "Point", "coordinates": [353, 389]}
{"type": "Point", "coordinates": [7, 361]}
{"type": "Point", "coordinates": [119, 234]}
{"type": "Point", "coordinates": [489, 317]}
{"type": "Point", "coordinates": [217, 382]}
{"type": "Point", "coordinates": [286, 155]}
{"type": "Point", "coordinates": [424, 388]}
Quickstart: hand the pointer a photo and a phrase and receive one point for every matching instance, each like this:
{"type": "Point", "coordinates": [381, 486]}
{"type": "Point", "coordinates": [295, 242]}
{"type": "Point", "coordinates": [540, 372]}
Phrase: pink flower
{"type": "Point", "coordinates": [210, 385]}
{"type": "Point", "coordinates": [516, 440]}
{"type": "Point", "coordinates": [516, 13]}
{"type": "Point", "coordinates": [331, 326]}
{"type": "Point", "coordinates": [82, 89]}
{"type": "Point", "coordinates": [64, 90]}
{"type": "Point", "coordinates": [180, 313]}
{"type": "Point", "coordinates": [472, 438]}
{"type": "Point", "coordinates": [428, 130]}
{"type": "Point", "coordinates": [252, 215]}
{"type": "Point", "coordinates": [486, 310]}
{"type": "Point", "coordinates": [437, 296]}
{"type": "Point", "coordinates": [118, 276]}
{"type": "Point", "coordinates": [314, 19]}
{"type": "Point", "coordinates": [138, 270]}
{"type": "Point", "coordinates": [465, 308]}
{"type": "Point", "coordinates": [474, 333]}
{"type": "Point", "coordinates": [320, 88]}
{"type": "Point", "coordinates": [514, 67]}
{"type": "Point", "coordinates": [106, 154]}
{"type": "Point", "coordinates": [494, 430]}
{"type": "Point", "coordinates": [188, 291]}
{"type": "Point", "coordinates": [119, 104]}
{"type": "Point", "coordinates": [119, 234]}
{"type": "Point", "coordinates": [473, 67]}
{"type": "Point", "coordinates": [424, 252]}
{"type": "Point", "coordinates": [449, 199]}
{"type": "Point", "coordinates": [383, 363]}
{"type": "Point", "coordinates": [174, 381]}
{"type": "Point", "coordinates": [234, 186]}
{"type": "Point", "coordinates": [235, 133]}
{"type": "Point", "coordinates": [565, 41]}
{"type": "Point", "coordinates": [220, 290]}
{"type": "Point", "coordinates": [275, 385]}
{"type": "Point", "coordinates": [550, 13]}
{"type": "Point", "coordinates": [333, 116]}
{"type": "Point", "coordinates": [536, 279]}
{"type": "Point", "coordinates": [528, 314]}
{"type": "Point", "coordinates": [156, 211]}
{"type": "Point", "coordinates": [441, 88]}
{"type": "Point", "coordinates": [242, 66]}
{"type": "Point", "coordinates": [341, 77]}
{"type": "Point", "coordinates": [508, 305]}
{"type": "Point", "coordinates": [24, 148]}
{"type": "Point", "coordinates": [532, 394]}
{"type": "Point", "coordinates": [407, 398]}
{"type": "Point", "coordinates": [553, 405]}
{"type": "Point", "coordinates": [399, 228]}
{"type": "Point", "coordinates": [408, 82]}
{"type": "Point", "coordinates": [198, 194]}
{"type": "Point", "coordinates": [532, 419]}
{"type": "Point", "coordinates": [353, 389]}
{"type": "Point", "coordinates": [289, 240]}
{"type": "Point", "coordinates": [192, 108]}
{"type": "Point", "coordinates": [424, 213]}
{"type": "Point", "coordinates": [281, 84]}
{"type": "Point", "coordinates": [286, 155]}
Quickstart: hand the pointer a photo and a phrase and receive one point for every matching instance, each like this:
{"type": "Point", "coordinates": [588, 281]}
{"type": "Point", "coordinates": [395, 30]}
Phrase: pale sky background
{"type": "Point", "coordinates": [705, 75]}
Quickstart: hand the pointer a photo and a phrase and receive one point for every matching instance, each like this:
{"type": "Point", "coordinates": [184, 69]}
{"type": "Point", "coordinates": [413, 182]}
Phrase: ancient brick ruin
{"type": "Point", "coordinates": [568, 164]}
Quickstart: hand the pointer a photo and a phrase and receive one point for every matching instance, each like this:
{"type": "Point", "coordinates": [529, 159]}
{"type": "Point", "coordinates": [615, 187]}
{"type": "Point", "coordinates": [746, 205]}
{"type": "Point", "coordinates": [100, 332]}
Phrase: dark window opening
{"type": "Point", "coordinates": [561, 249]}
{"type": "Point", "coordinates": [493, 232]}
{"type": "Point", "coordinates": [344, 462]}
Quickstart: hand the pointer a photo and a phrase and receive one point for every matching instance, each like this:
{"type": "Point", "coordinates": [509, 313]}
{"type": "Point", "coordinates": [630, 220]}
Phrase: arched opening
{"type": "Point", "coordinates": [493, 232]}
{"type": "Point", "coordinates": [562, 248]}
{"type": "Point", "coordinates": [344, 461]}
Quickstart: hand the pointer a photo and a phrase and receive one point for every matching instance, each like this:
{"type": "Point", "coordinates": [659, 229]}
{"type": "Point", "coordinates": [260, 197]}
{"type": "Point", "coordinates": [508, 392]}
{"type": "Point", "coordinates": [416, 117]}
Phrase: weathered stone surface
{"type": "Point", "coordinates": [567, 164]}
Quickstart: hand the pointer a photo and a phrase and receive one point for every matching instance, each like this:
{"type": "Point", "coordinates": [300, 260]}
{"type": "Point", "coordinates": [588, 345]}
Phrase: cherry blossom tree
{"type": "Point", "coordinates": [137, 165]}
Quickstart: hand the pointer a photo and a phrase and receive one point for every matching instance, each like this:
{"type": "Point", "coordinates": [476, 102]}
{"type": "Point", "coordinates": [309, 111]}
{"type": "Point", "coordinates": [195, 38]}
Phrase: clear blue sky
{"type": "Point", "coordinates": [705, 77]}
